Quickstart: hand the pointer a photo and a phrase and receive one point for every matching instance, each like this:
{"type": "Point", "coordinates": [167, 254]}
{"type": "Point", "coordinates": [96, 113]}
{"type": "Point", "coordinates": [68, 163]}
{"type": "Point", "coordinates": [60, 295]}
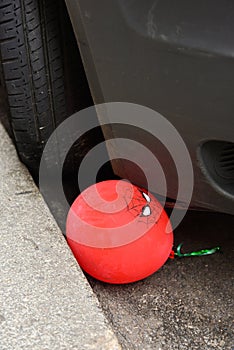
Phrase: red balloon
{"type": "Point", "coordinates": [117, 232]}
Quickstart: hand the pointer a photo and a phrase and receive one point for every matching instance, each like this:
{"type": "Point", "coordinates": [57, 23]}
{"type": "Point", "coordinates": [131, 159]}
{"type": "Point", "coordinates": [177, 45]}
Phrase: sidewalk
{"type": "Point", "coordinates": [45, 300]}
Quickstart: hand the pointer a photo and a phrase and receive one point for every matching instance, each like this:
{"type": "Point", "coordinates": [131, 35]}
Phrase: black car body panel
{"type": "Point", "coordinates": [176, 57]}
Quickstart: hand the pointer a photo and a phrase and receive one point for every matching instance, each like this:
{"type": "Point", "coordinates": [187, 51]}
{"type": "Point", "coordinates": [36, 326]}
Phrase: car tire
{"type": "Point", "coordinates": [33, 73]}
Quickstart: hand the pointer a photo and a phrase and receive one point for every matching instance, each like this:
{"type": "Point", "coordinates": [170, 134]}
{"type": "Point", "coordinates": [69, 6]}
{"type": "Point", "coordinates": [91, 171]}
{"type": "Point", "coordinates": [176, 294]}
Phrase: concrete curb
{"type": "Point", "coordinates": [45, 300]}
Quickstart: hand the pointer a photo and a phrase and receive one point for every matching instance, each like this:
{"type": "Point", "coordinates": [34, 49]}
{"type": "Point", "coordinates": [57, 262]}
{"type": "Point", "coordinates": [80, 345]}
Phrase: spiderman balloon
{"type": "Point", "coordinates": [117, 232]}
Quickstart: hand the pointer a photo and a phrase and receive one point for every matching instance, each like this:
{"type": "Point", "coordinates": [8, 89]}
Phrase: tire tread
{"type": "Point", "coordinates": [33, 72]}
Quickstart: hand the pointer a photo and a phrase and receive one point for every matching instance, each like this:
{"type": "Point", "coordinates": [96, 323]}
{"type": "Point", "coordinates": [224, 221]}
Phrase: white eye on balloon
{"type": "Point", "coordinates": [146, 196]}
{"type": "Point", "coordinates": [146, 210]}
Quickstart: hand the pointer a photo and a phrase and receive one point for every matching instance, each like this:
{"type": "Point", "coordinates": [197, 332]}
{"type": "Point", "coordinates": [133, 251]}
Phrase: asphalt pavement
{"type": "Point", "coordinates": [188, 303]}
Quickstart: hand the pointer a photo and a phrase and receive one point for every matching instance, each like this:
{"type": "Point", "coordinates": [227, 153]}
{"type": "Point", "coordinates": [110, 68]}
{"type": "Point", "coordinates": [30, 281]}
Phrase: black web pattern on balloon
{"type": "Point", "coordinates": [142, 207]}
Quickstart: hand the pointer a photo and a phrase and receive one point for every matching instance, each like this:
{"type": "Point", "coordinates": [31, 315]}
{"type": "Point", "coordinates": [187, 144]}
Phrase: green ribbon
{"type": "Point", "coordinates": [197, 253]}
